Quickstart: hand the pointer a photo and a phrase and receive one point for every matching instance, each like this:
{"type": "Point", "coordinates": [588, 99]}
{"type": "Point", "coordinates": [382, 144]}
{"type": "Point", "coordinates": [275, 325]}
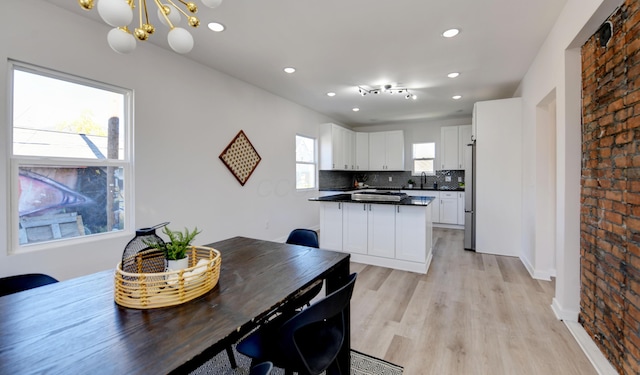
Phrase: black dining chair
{"type": "Point", "coordinates": [305, 237]}
{"type": "Point", "coordinates": [19, 283]}
{"type": "Point", "coordinates": [263, 368]}
{"type": "Point", "coordinates": [309, 342]}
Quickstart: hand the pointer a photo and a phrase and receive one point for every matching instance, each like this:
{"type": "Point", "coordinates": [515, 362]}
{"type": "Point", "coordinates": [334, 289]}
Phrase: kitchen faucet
{"type": "Point", "coordinates": [423, 179]}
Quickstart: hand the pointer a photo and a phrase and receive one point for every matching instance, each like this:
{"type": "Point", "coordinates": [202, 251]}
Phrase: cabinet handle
{"type": "Point", "coordinates": [339, 205]}
{"type": "Point", "coordinates": [398, 208]}
{"type": "Point", "coordinates": [364, 207]}
{"type": "Point", "coordinates": [369, 207]}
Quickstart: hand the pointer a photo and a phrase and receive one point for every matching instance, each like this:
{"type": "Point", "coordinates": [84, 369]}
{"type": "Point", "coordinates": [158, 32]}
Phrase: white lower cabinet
{"type": "Point", "coordinates": [331, 225]}
{"type": "Point", "coordinates": [413, 232]}
{"type": "Point", "coordinates": [461, 208]}
{"type": "Point", "coordinates": [354, 228]}
{"type": "Point", "coordinates": [382, 225]}
{"type": "Point", "coordinates": [448, 207]}
{"type": "Point", "coordinates": [386, 235]}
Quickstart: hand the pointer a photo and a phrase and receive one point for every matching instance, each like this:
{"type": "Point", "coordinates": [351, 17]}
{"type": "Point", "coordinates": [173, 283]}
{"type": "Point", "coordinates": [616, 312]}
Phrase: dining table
{"type": "Point", "coordinates": [75, 326]}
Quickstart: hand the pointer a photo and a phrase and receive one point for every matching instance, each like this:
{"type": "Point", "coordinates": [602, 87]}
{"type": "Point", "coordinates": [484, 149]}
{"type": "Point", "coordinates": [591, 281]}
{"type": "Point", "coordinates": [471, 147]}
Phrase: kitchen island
{"type": "Point", "coordinates": [391, 230]}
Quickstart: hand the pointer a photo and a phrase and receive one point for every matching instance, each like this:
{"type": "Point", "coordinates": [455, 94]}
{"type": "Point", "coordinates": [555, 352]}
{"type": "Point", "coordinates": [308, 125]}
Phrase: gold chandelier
{"type": "Point", "coordinates": [119, 14]}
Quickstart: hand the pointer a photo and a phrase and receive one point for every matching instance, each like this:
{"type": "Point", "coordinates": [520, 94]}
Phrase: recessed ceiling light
{"type": "Point", "coordinates": [214, 26]}
{"type": "Point", "coordinates": [289, 70]}
{"type": "Point", "coordinates": [331, 94]}
{"type": "Point", "coordinates": [356, 109]}
{"type": "Point", "coordinates": [456, 97]}
{"type": "Point", "coordinates": [453, 75]}
{"type": "Point", "coordinates": [450, 33]}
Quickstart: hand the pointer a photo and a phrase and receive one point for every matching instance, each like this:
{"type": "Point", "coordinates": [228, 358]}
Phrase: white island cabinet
{"type": "Point", "coordinates": [388, 235]}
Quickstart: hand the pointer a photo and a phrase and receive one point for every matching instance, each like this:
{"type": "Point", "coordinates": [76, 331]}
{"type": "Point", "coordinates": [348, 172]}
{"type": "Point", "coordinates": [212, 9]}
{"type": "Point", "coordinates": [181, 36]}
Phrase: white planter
{"type": "Point", "coordinates": [180, 264]}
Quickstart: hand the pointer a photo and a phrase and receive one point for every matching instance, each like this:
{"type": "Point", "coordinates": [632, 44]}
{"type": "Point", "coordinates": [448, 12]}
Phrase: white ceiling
{"type": "Point", "coordinates": [336, 45]}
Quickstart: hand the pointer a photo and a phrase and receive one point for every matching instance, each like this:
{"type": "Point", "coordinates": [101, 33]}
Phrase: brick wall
{"type": "Point", "coordinates": [610, 191]}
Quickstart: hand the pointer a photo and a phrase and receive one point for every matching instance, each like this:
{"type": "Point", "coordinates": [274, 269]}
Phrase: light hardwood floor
{"type": "Point", "coordinates": [471, 314]}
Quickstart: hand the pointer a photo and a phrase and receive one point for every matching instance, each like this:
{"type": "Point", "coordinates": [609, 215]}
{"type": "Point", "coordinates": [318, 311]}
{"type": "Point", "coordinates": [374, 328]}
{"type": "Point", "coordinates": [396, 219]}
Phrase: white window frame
{"type": "Point", "coordinates": [314, 163]}
{"type": "Point", "coordinates": [17, 161]}
{"type": "Point", "coordinates": [413, 159]}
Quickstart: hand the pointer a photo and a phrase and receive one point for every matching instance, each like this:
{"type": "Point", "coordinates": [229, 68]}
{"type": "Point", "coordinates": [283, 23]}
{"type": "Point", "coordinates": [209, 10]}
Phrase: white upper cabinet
{"type": "Point", "coordinates": [464, 136]}
{"type": "Point", "coordinates": [362, 151]}
{"type": "Point", "coordinates": [449, 147]}
{"type": "Point", "coordinates": [337, 148]}
{"type": "Point", "coordinates": [453, 140]}
{"type": "Point", "coordinates": [386, 151]}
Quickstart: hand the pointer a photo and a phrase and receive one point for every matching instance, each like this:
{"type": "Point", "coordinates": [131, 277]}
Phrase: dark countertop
{"type": "Point", "coordinates": [393, 188]}
{"type": "Point", "coordinates": [346, 198]}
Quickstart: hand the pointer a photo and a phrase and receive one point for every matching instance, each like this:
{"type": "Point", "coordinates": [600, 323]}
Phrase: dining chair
{"type": "Point", "coordinates": [263, 368]}
{"type": "Point", "coordinates": [309, 342]}
{"type": "Point", "coordinates": [19, 283]}
{"type": "Point", "coordinates": [305, 237]}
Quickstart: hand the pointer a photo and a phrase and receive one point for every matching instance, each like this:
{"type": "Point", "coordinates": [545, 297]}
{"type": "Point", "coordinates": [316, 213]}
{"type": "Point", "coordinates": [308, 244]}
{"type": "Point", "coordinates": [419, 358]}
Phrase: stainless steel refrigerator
{"type": "Point", "coordinates": [470, 197]}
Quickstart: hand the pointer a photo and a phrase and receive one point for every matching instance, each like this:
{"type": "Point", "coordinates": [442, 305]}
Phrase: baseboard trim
{"type": "Point", "coordinates": [562, 313]}
{"type": "Point", "coordinates": [590, 349]}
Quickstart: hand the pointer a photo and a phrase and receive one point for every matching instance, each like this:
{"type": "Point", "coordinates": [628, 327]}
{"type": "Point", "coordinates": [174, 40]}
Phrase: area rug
{"type": "Point", "coordinates": [361, 364]}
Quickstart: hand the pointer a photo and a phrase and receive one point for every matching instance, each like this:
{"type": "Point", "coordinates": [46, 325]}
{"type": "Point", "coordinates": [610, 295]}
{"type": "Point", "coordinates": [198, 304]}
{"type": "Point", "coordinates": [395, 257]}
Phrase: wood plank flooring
{"type": "Point", "coordinates": [471, 314]}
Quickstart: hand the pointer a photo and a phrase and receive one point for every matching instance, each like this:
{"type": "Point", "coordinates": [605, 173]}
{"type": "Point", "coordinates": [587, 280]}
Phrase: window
{"type": "Point", "coordinates": [305, 162]}
{"type": "Point", "coordinates": [70, 156]}
{"type": "Point", "coordinates": [424, 155]}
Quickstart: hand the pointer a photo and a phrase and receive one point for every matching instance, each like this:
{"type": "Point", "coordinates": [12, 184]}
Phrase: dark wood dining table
{"type": "Point", "coordinates": [75, 327]}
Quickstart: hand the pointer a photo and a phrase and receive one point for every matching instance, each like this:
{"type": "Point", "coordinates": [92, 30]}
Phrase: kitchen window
{"type": "Point", "coordinates": [424, 155]}
{"type": "Point", "coordinates": [305, 162]}
{"type": "Point", "coordinates": [70, 157]}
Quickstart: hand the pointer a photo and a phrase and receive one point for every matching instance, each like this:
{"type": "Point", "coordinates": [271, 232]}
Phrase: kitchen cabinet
{"type": "Point", "coordinates": [368, 229]}
{"type": "Point", "coordinates": [354, 228]}
{"type": "Point", "coordinates": [386, 151]}
{"type": "Point", "coordinates": [337, 148]}
{"type": "Point", "coordinates": [382, 225]}
{"type": "Point", "coordinates": [464, 138]}
{"type": "Point", "coordinates": [453, 140]}
{"type": "Point", "coordinates": [461, 208]}
{"type": "Point", "coordinates": [362, 151]}
{"type": "Point", "coordinates": [413, 232]}
{"type": "Point", "coordinates": [448, 207]}
{"type": "Point", "coordinates": [385, 235]}
{"type": "Point", "coordinates": [449, 147]}
{"type": "Point", "coordinates": [331, 226]}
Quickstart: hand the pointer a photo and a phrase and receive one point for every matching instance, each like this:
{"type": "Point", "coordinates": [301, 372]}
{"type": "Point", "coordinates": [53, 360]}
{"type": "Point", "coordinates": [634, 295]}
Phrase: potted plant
{"type": "Point", "coordinates": [175, 250]}
{"type": "Point", "coordinates": [410, 182]}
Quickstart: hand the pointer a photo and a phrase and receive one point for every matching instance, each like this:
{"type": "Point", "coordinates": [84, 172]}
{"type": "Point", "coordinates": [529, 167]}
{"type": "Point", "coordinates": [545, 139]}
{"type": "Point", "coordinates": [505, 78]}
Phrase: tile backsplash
{"type": "Point", "coordinates": [343, 179]}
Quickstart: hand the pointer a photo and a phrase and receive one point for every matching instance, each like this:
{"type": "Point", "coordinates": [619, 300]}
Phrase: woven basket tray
{"type": "Point", "coordinates": [162, 289]}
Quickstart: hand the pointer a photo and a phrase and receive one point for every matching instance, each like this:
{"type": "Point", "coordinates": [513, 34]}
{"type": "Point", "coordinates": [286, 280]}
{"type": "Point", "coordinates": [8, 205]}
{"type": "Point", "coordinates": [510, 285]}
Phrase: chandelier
{"type": "Point", "coordinates": [388, 89]}
{"type": "Point", "coordinates": [119, 14]}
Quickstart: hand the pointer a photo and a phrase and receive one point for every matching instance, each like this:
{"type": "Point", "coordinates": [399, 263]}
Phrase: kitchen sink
{"type": "Point", "coordinates": [386, 196]}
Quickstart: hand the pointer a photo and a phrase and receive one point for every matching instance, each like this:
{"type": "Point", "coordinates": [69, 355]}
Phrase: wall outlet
{"type": "Point", "coordinates": [459, 179]}
{"type": "Point", "coordinates": [390, 179]}
{"type": "Point", "coordinates": [447, 178]}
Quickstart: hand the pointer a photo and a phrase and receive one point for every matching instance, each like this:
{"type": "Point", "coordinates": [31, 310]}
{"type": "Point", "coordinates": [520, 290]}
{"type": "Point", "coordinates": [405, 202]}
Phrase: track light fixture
{"type": "Point", "coordinates": [387, 89]}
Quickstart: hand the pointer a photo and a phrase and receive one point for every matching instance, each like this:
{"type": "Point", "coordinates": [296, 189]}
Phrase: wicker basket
{"type": "Point", "coordinates": [162, 289]}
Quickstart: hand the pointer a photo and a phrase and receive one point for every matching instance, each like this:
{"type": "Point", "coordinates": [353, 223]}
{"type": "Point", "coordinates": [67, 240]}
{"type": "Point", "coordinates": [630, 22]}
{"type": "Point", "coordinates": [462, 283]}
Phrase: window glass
{"type": "Point", "coordinates": [305, 162]}
{"type": "Point", "coordinates": [69, 156]}
{"type": "Point", "coordinates": [424, 158]}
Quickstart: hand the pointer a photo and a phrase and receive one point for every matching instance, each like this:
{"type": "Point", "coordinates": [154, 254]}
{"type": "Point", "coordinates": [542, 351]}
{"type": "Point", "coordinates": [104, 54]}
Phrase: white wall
{"type": "Point", "coordinates": [185, 115]}
{"type": "Point", "coordinates": [556, 70]}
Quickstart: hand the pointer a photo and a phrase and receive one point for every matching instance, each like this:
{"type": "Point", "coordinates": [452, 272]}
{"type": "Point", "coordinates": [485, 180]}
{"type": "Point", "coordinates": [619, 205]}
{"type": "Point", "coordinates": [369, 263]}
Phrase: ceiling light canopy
{"type": "Point", "coordinates": [119, 14]}
{"type": "Point", "coordinates": [450, 33]}
{"type": "Point", "coordinates": [387, 89]}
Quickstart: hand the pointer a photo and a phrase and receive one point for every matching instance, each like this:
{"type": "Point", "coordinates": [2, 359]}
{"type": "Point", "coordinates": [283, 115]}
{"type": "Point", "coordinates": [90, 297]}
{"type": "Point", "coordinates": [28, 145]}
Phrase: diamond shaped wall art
{"type": "Point", "coordinates": [240, 157]}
